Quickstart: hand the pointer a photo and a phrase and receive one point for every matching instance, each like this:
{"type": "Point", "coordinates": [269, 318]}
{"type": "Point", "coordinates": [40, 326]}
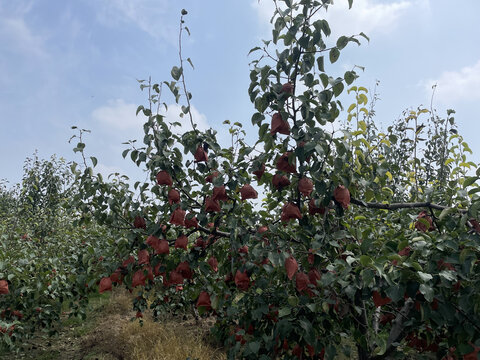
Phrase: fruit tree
{"type": "Point", "coordinates": [324, 236]}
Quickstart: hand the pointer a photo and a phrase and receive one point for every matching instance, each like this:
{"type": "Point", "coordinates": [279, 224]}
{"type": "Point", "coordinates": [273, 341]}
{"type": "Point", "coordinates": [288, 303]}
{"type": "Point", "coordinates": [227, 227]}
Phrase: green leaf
{"type": "Point", "coordinates": [448, 275]}
{"type": "Point", "coordinates": [176, 72]}
{"type": "Point", "coordinates": [257, 118]}
{"type": "Point", "coordinates": [349, 77]}
{"type": "Point", "coordinates": [424, 276]}
{"type": "Point", "coordinates": [364, 36]}
{"type": "Point", "coordinates": [334, 55]}
{"type": "Point", "coordinates": [445, 212]}
{"type": "Point", "coordinates": [337, 89]}
{"type": "Point", "coordinates": [427, 291]}
{"type": "Point", "coordinates": [284, 311]}
{"type": "Point", "coordinates": [324, 79]}
{"type": "Point", "coordinates": [469, 181]}
{"type": "Point", "coordinates": [342, 42]}
{"type": "Point", "coordinates": [365, 260]}
{"type": "Point", "coordinates": [321, 64]}
{"type": "Point", "coordinates": [254, 347]}
{"type": "Point", "coordinates": [465, 349]}
{"type": "Point", "coordinates": [94, 160]}
{"type": "Point", "coordinates": [254, 49]}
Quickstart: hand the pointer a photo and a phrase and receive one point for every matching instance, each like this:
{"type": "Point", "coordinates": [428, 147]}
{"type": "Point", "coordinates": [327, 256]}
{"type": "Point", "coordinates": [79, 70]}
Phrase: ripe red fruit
{"type": "Point", "coordinates": [138, 278]}
{"type": "Point", "coordinates": [138, 315]}
{"type": "Point", "coordinates": [152, 241]}
{"type": "Point", "coordinates": [291, 266]}
{"type": "Point", "coordinates": [164, 178]}
{"type": "Point", "coordinates": [200, 155]}
{"type": "Point", "coordinates": [173, 196]}
{"type": "Point", "coordinates": [378, 300]}
{"type": "Point", "coordinates": [305, 186]}
{"type": "Point", "coordinates": [441, 265]}
{"type": "Point", "coordinates": [117, 276]}
{"type": "Point", "coordinates": [297, 351]}
{"type": "Point", "coordinates": [204, 300]}
{"type": "Point", "coordinates": [130, 260]}
{"type": "Point", "coordinates": [287, 88]}
{"type": "Point", "coordinates": [149, 272]}
{"type": "Point", "coordinates": [243, 250]}
{"type": "Point", "coordinates": [139, 223]}
{"type": "Point", "coordinates": [211, 205]}
{"type": "Point", "coordinates": [279, 125]}
{"type": "Point", "coordinates": [342, 196]}
{"type": "Point", "coordinates": [420, 225]}
{"type": "Point", "coordinates": [405, 251]}
{"type": "Point", "coordinates": [311, 350]}
{"type": "Point", "coordinates": [213, 262]}
{"type": "Point", "coordinates": [163, 247]}
{"type": "Point", "coordinates": [284, 165]}
{"type": "Point", "coordinates": [219, 193]}
{"type": "Point", "coordinates": [314, 276]}
{"type": "Point", "coordinates": [200, 243]}
{"type": "Point", "coordinates": [184, 269]}
{"type": "Point", "coordinates": [242, 280]}
{"type": "Point", "coordinates": [175, 278]}
{"type": "Point", "coordinates": [301, 281]}
{"type": "Point", "coordinates": [290, 211]}
{"type": "Point", "coordinates": [178, 217]}
{"type": "Point", "coordinates": [210, 177]}
{"type": "Point", "coordinates": [311, 257]}
{"type": "Point", "coordinates": [105, 285]}
{"type": "Point", "coordinates": [280, 181]}
{"type": "Point", "coordinates": [473, 355]}
{"type": "Point", "coordinates": [181, 242]}
{"type": "Point", "coordinates": [259, 172]}
{"type": "Point", "coordinates": [157, 272]}
{"type": "Point", "coordinates": [143, 257]}
{"type": "Point", "coordinates": [475, 225]}
{"type": "Point", "coordinates": [386, 318]}
{"type": "Point", "coordinates": [248, 192]}
{"type": "Point", "coordinates": [3, 287]}
{"type": "Point", "coordinates": [191, 222]}
{"type": "Point", "coordinates": [262, 229]}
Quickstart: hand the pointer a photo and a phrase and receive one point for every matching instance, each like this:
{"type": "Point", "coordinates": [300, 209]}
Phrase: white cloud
{"type": "Point", "coordinates": [106, 170]}
{"type": "Point", "coordinates": [173, 115]}
{"type": "Point", "coordinates": [368, 16]}
{"type": "Point", "coordinates": [454, 86]}
{"type": "Point", "coordinates": [118, 114]}
{"type": "Point", "coordinates": [17, 36]}
{"type": "Point", "coordinates": [150, 16]}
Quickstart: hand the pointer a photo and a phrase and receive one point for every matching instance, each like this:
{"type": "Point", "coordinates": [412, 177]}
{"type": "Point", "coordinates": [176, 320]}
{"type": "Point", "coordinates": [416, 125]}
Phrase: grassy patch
{"type": "Point", "coordinates": [108, 333]}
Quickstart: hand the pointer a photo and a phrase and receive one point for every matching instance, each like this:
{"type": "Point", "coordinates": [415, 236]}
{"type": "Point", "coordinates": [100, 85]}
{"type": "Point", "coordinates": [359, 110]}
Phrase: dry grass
{"type": "Point", "coordinates": [115, 335]}
{"type": "Point", "coordinates": [167, 341]}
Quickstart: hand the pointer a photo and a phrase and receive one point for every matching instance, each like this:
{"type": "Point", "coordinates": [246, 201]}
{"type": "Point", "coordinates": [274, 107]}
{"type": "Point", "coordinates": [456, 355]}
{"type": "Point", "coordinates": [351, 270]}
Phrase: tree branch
{"type": "Point", "coordinates": [397, 328]}
{"type": "Point", "coordinates": [395, 206]}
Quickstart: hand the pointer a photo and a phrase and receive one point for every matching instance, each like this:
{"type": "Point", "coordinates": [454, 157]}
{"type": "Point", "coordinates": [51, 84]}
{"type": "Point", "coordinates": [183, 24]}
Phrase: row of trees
{"type": "Point", "coordinates": [48, 264]}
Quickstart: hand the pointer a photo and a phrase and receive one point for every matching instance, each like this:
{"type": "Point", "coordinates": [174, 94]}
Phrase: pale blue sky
{"type": "Point", "coordinates": [70, 62]}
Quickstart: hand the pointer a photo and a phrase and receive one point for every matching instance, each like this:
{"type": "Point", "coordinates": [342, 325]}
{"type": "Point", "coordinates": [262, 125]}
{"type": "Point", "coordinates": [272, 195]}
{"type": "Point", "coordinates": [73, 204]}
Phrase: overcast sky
{"type": "Point", "coordinates": [70, 62]}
